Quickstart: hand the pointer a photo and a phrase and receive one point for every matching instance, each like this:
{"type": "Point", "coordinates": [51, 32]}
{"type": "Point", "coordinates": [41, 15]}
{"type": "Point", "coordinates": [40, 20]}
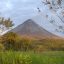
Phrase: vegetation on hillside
{"type": "Point", "coordinates": [14, 42]}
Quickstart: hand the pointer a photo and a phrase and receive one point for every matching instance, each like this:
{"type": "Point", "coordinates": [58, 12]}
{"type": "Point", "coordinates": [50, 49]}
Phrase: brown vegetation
{"type": "Point", "coordinates": [12, 41]}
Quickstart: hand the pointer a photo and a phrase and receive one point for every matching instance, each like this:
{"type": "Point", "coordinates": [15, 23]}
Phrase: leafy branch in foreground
{"type": "Point", "coordinates": [5, 24]}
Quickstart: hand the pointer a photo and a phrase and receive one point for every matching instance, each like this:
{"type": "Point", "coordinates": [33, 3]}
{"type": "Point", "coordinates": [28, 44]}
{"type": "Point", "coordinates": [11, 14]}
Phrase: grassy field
{"type": "Point", "coordinates": [54, 57]}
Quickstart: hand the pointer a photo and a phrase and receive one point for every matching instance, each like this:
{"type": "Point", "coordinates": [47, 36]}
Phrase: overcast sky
{"type": "Point", "coordinates": [19, 10]}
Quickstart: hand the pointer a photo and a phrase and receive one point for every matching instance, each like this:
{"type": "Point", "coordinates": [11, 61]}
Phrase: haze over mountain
{"type": "Point", "coordinates": [31, 29]}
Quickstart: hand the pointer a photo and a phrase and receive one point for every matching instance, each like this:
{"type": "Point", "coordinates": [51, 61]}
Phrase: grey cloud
{"type": "Point", "coordinates": [18, 9]}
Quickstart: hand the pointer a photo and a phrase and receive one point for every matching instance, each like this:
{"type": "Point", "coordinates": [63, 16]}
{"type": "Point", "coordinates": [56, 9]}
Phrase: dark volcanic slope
{"type": "Point", "coordinates": [30, 28]}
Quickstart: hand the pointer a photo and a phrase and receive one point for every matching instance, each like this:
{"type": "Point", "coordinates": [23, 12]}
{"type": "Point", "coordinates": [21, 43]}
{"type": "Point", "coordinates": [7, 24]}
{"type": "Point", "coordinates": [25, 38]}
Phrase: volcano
{"type": "Point", "coordinates": [31, 29]}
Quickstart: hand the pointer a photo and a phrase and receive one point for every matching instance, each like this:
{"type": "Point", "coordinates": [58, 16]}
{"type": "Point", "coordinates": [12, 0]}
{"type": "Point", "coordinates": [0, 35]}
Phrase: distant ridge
{"type": "Point", "coordinates": [31, 29]}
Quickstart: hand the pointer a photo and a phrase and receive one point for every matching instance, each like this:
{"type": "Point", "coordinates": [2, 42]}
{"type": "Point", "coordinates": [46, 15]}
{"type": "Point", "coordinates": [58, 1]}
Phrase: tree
{"type": "Point", "coordinates": [59, 2]}
{"type": "Point", "coordinates": [5, 24]}
{"type": "Point", "coordinates": [8, 23]}
{"type": "Point", "coordinates": [9, 40]}
{"type": "Point", "coordinates": [12, 41]}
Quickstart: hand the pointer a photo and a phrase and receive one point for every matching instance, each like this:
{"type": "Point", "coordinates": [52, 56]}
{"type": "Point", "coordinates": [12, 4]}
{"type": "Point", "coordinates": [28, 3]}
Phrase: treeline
{"type": "Point", "coordinates": [12, 41]}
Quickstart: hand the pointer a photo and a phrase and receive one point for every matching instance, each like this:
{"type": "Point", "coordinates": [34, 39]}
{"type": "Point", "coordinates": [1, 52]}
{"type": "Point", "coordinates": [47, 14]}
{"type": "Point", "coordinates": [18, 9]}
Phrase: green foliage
{"type": "Point", "coordinates": [51, 57]}
{"type": "Point", "coordinates": [24, 59]}
{"type": "Point", "coordinates": [14, 58]}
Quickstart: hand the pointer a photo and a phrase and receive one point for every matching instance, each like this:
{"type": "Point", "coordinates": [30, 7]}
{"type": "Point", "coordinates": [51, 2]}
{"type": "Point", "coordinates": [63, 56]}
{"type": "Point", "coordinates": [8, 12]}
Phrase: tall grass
{"type": "Point", "coordinates": [14, 58]}
{"type": "Point", "coordinates": [48, 58]}
{"type": "Point", "coordinates": [55, 57]}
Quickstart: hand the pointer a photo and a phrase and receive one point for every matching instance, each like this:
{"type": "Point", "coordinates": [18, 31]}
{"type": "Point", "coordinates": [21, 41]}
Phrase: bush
{"type": "Point", "coordinates": [26, 44]}
{"type": "Point", "coordinates": [2, 47]}
{"type": "Point", "coordinates": [24, 59]}
{"type": "Point", "coordinates": [12, 41]}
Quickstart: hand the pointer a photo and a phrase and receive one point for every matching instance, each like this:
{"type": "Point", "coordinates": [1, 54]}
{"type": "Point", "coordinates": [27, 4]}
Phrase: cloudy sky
{"type": "Point", "coordinates": [19, 10]}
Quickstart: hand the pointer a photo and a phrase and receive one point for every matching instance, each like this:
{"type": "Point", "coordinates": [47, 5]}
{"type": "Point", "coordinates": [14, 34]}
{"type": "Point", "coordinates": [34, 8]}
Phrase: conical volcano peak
{"type": "Point", "coordinates": [30, 24]}
{"type": "Point", "coordinates": [29, 21]}
{"type": "Point", "coordinates": [32, 29]}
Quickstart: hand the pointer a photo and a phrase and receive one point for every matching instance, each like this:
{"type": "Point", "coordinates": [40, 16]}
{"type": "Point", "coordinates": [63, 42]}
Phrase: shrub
{"type": "Point", "coordinates": [2, 47]}
{"type": "Point", "coordinates": [12, 41]}
{"type": "Point", "coordinates": [15, 58]}
{"type": "Point", "coordinates": [24, 59]}
{"type": "Point", "coordinates": [26, 44]}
